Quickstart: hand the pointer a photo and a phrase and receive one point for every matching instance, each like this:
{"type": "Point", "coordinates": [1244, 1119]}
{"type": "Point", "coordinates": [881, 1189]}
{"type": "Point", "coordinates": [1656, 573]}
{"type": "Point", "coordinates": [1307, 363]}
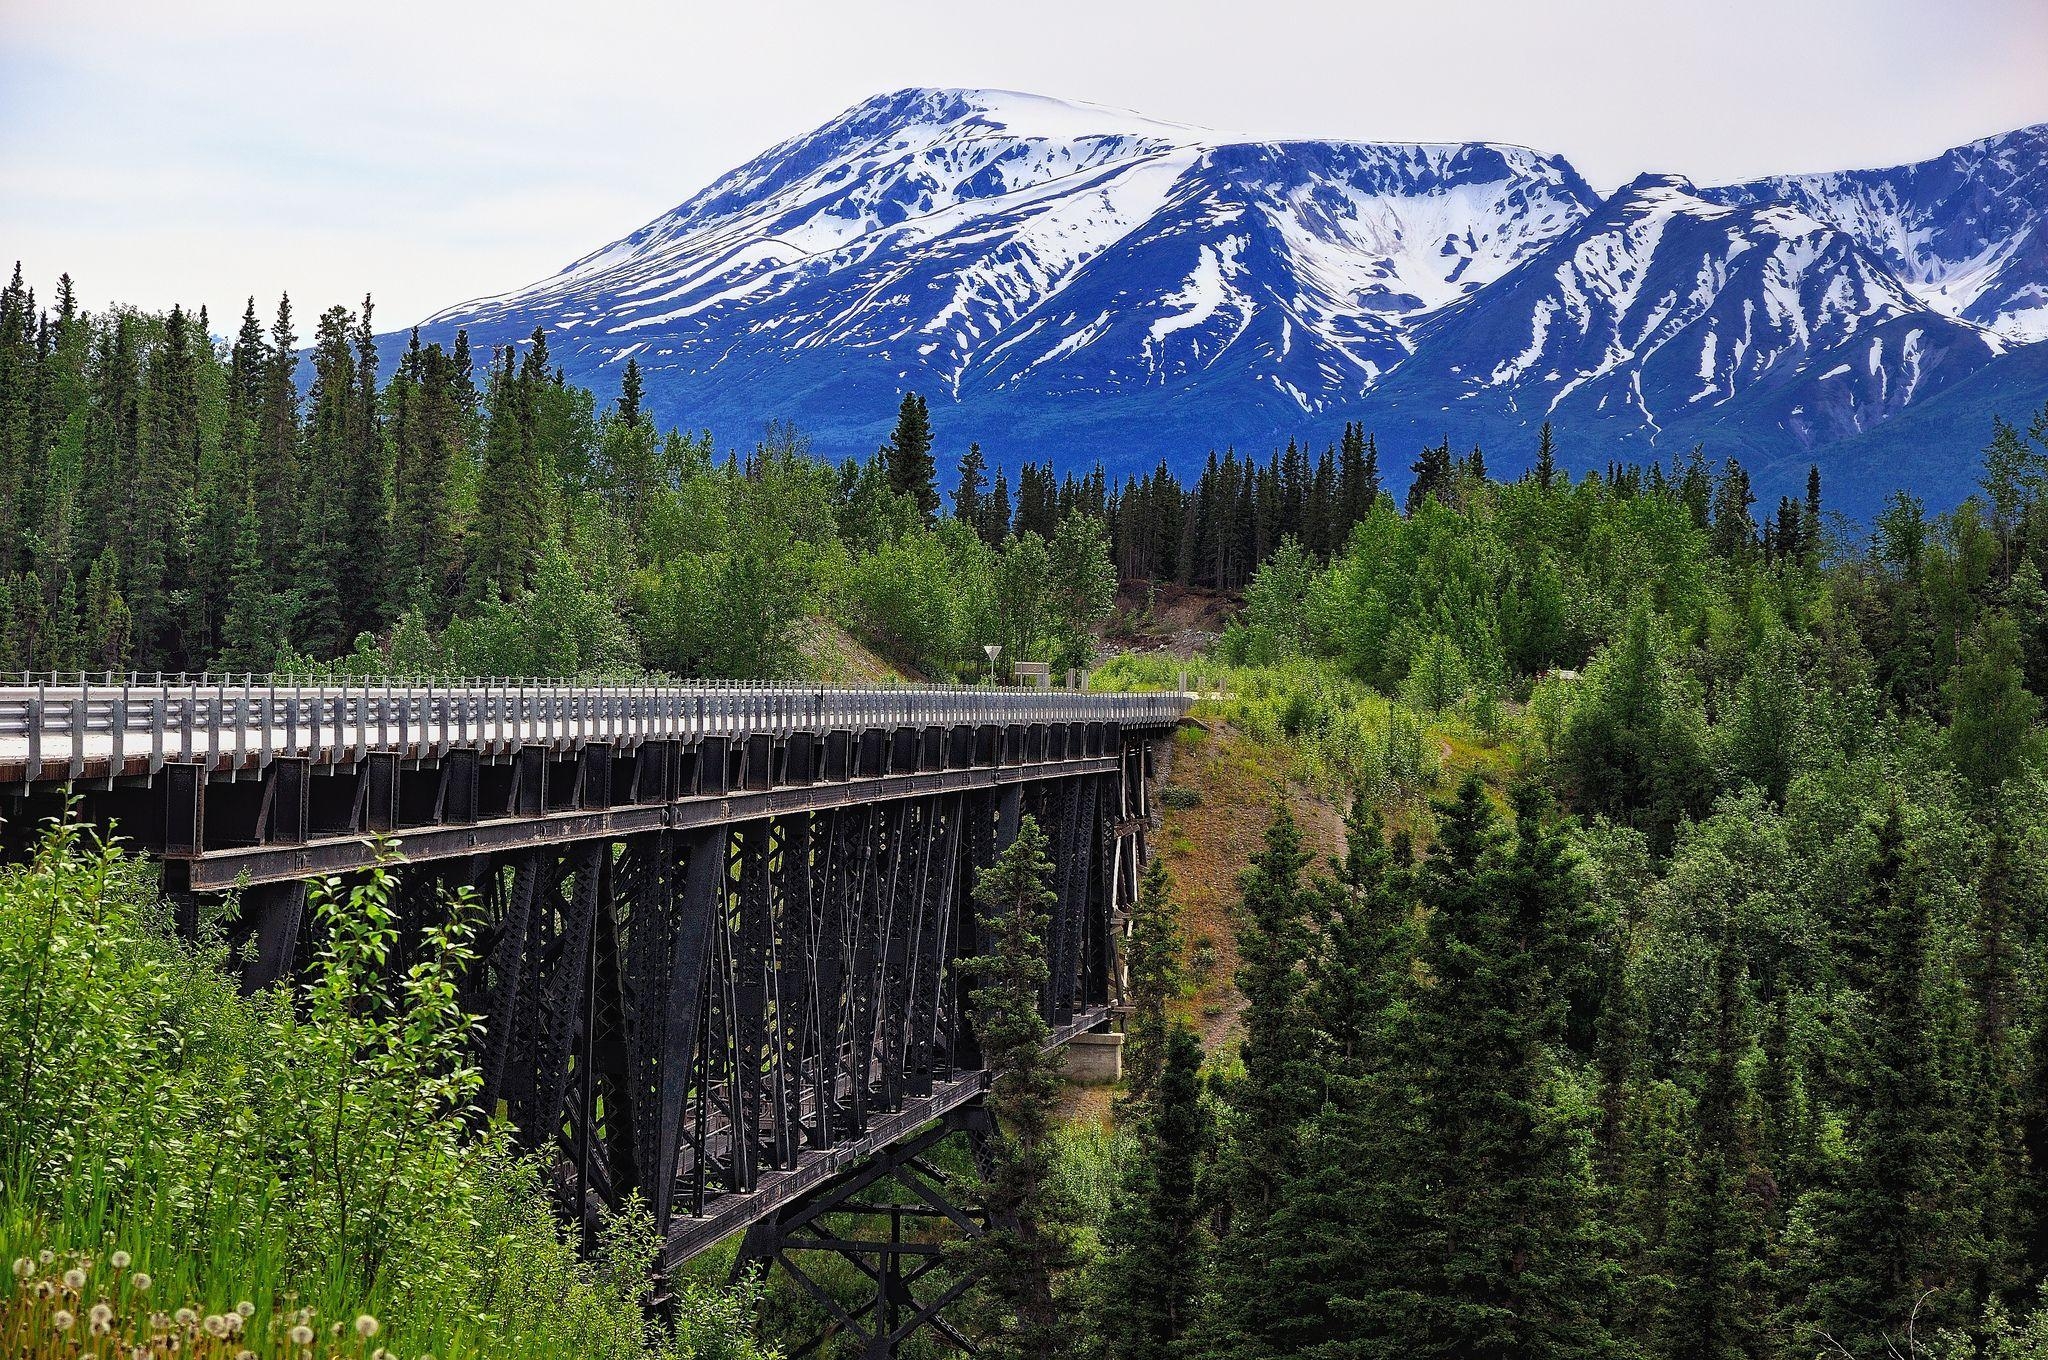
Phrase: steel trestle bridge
{"type": "Point", "coordinates": [723, 923]}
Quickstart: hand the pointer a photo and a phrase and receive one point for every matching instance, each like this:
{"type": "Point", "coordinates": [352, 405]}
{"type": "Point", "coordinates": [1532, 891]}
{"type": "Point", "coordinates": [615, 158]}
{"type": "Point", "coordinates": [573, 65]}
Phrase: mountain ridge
{"type": "Point", "coordinates": [1068, 280]}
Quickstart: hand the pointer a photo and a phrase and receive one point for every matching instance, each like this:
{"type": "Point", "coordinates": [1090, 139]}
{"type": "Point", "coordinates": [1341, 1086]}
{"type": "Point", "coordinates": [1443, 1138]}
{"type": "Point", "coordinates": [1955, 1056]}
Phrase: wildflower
{"type": "Point", "coordinates": [45, 1289]}
{"type": "Point", "coordinates": [245, 1355]}
{"type": "Point", "coordinates": [46, 1256]}
{"type": "Point", "coordinates": [245, 1309]}
{"type": "Point", "coordinates": [61, 1320]}
{"type": "Point", "coordinates": [302, 1335]}
{"type": "Point", "coordinates": [366, 1326]}
{"type": "Point", "coordinates": [119, 1260]}
{"type": "Point", "coordinates": [23, 1268]}
{"type": "Point", "coordinates": [141, 1282]}
{"type": "Point", "coordinates": [215, 1325]}
{"type": "Point", "coordinates": [185, 1317]}
{"type": "Point", "coordinates": [101, 1314]}
{"type": "Point", "coordinates": [74, 1278]}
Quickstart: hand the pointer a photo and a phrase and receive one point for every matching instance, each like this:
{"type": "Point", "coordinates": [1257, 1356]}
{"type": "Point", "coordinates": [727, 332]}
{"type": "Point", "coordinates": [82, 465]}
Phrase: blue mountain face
{"type": "Point", "coordinates": [1068, 281]}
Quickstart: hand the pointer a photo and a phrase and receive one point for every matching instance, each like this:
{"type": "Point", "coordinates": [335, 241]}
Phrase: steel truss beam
{"type": "Point", "coordinates": [910, 1278]}
{"type": "Point", "coordinates": [743, 1020]}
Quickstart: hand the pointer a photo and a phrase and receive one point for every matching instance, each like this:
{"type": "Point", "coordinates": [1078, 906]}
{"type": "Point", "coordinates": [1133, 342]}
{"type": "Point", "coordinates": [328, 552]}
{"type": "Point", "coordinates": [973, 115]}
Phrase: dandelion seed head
{"type": "Point", "coordinates": [185, 1317]}
{"type": "Point", "coordinates": [119, 1260]}
{"type": "Point", "coordinates": [141, 1281]}
{"type": "Point", "coordinates": [23, 1267]}
{"type": "Point", "coordinates": [61, 1320]}
{"type": "Point", "coordinates": [366, 1326]}
{"type": "Point", "coordinates": [245, 1354]}
{"type": "Point", "coordinates": [45, 1289]}
{"type": "Point", "coordinates": [74, 1278]}
{"type": "Point", "coordinates": [215, 1325]}
{"type": "Point", "coordinates": [101, 1313]}
{"type": "Point", "coordinates": [302, 1335]}
{"type": "Point", "coordinates": [245, 1309]}
{"type": "Point", "coordinates": [46, 1256]}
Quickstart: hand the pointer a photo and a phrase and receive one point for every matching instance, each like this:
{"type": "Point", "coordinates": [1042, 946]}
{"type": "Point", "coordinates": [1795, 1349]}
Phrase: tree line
{"type": "Point", "coordinates": [173, 501]}
{"type": "Point", "coordinates": [1714, 1023]}
{"type": "Point", "coordinates": [170, 501]}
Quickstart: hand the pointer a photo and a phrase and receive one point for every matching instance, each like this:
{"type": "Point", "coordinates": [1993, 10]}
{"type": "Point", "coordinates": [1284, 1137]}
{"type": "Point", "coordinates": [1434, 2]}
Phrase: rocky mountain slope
{"type": "Point", "coordinates": [1065, 280]}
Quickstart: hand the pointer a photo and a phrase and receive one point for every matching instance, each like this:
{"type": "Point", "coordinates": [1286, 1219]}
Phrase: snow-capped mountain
{"type": "Point", "coordinates": [1662, 308]}
{"type": "Point", "coordinates": [983, 246]}
{"type": "Point", "coordinates": [1967, 231]}
{"type": "Point", "coordinates": [1061, 279]}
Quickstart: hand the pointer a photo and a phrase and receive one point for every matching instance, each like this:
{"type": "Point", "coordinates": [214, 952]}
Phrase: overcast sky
{"type": "Point", "coordinates": [429, 152]}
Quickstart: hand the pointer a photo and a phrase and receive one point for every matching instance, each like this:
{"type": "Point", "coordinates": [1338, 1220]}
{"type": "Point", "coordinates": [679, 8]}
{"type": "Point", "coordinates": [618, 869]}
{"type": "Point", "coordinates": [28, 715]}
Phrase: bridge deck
{"type": "Point", "coordinates": [75, 731]}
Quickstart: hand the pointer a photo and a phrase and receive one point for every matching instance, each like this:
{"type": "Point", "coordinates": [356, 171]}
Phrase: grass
{"type": "Point", "coordinates": [1303, 733]}
{"type": "Point", "coordinates": [215, 1171]}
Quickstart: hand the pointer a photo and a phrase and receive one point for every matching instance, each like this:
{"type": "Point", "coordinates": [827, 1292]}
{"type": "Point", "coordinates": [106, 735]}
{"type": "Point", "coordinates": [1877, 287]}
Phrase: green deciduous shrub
{"type": "Point", "coordinates": [313, 1151]}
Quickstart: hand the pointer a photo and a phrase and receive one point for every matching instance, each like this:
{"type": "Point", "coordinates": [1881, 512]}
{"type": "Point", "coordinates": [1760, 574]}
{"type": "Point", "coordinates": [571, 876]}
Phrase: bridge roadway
{"type": "Point", "coordinates": [722, 923]}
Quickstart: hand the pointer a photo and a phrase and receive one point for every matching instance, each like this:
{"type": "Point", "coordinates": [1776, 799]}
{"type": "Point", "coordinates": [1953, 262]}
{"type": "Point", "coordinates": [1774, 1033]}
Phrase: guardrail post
{"type": "Point", "coordinates": [35, 738]}
{"type": "Point", "coordinates": [117, 757]}
{"type": "Point", "coordinates": [78, 729]}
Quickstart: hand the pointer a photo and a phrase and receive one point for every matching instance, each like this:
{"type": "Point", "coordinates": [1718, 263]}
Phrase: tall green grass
{"type": "Point", "coordinates": [1341, 734]}
{"type": "Point", "coordinates": [313, 1157]}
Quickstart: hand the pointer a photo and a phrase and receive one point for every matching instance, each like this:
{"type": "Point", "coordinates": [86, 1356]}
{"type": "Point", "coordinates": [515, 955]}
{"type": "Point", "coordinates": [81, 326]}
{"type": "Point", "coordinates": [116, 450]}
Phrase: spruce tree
{"type": "Point", "coordinates": [1810, 534]}
{"type": "Point", "coordinates": [365, 553]}
{"type": "Point", "coordinates": [1153, 1240]}
{"type": "Point", "coordinates": [1028, 1249]}
{"type": "Point", "coordinates": [1734, 535]}
{"type": "Point", "coordinates": [908, 456]}
{"type": "Point", "coordinates": [324, 614]}
{"type": "Point", "coordinates": [995, 512]}
{"type": "Point", "coordinates": [1890, 1242]}
{"type": "Point", "coordinates": [972, 488]}
{"type": "Point", "coordinates": [1474, 1240]}
{"type": "Point", "coordinates": [1546, 458]}
{"type": "Point", "coordinates": [1155, 973]}
{"type": "Point", "coordinates": [630, 392]}
{"type": "Point", "coordinates": [1714, 1256]}
{"type": "Point", "coordinates": [162, 505]}
{"type": "Point", "coordinates": [1433, 476]}
{"type": "Point", "coordinates": [249, 634]}
{"type": "Point", "coordinates": [275, 469]}
{"type": "Point", "coordinates": [107, 625]}
{"type": "Point", "coordinates": [512, 529]}
{"type": "Point", "coordinates": [1279, 1086]}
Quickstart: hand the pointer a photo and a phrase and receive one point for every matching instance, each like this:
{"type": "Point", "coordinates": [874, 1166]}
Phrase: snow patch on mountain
{"type": "Point", "coordinates": [1063, 278]}
{"type": "Point", "coordinates": [1967, 230]}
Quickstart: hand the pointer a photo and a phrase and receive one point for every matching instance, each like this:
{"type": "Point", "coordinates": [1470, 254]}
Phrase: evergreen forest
{"type": "Point", "coordinates": [1644, 951]}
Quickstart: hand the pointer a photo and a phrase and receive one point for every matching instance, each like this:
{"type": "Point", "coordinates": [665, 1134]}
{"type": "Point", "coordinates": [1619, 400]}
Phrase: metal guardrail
{"type": "Point", "coordinates": [249, 718]}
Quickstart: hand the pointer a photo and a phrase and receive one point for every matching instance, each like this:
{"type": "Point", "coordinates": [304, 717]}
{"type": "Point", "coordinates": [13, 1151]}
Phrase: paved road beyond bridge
{"type": "Point", "coordinates": [723, 923]}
